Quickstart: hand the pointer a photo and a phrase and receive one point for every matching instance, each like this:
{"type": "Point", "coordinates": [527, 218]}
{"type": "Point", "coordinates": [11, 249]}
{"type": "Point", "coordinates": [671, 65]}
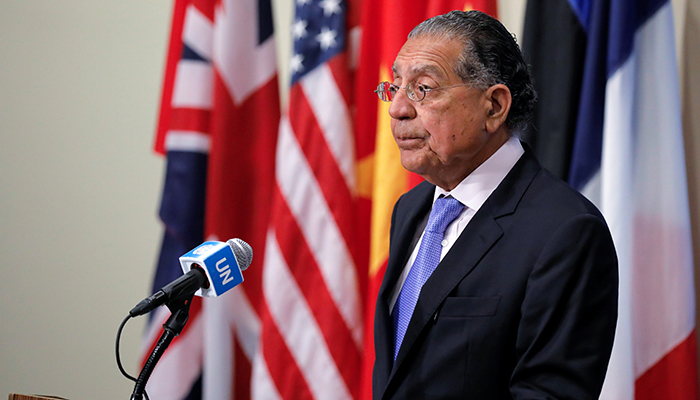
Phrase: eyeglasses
{"type": "Point", "coordinates": [415, 91]}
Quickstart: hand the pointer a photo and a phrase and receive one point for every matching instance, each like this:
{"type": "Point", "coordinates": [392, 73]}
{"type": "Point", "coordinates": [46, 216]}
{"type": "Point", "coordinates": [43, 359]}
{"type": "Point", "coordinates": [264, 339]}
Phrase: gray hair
{"type": "Point", "coordinates": [490, 56]}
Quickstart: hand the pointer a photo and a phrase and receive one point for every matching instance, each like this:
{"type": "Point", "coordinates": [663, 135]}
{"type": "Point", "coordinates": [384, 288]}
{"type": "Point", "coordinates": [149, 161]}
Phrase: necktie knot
{"type": "Point", "coordinates": [444, 211]}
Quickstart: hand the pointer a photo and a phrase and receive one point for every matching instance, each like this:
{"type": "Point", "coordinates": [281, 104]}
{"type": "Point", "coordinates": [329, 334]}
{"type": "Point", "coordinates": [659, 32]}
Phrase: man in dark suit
{"type": "Point", "coordinates": [502, 280]}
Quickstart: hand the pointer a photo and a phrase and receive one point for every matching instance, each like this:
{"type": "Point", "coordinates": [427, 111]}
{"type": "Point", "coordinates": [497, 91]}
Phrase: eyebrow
{"type": "Point", "coordinates": [425, 69]}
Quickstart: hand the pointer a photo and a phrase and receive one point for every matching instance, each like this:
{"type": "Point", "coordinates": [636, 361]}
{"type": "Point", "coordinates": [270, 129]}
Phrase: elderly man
{"type": "Point", "coordinates": [502, 280]}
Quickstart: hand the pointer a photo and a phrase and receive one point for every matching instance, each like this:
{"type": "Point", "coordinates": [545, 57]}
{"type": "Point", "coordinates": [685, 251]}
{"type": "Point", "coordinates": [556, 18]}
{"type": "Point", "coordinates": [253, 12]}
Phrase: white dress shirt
{"type": "Point", "coordinates": [472, 192]}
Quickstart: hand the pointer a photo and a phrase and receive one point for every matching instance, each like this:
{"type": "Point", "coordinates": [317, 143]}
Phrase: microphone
{"type": "Point", "coordinates": [211, 269]}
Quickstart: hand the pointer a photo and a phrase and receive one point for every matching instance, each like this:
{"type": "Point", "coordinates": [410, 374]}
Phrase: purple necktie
{"type": "Point", "coordinates": [444, 211]}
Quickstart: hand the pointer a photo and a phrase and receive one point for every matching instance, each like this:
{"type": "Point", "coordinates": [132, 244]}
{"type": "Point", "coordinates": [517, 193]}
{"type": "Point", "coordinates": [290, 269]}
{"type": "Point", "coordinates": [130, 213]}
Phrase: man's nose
{"type": "Point", "coordinates": [401, 106]}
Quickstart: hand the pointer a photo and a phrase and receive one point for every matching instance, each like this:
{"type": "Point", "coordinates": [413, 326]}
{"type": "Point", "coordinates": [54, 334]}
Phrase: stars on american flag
{"type": "Point", "coordinates": [326, 38]}
{"type": "Point", "coordinates": [318, 32]}
{"type": "Point", "coordinates": [296, 64]}
{"type": "Point", "coordinates": [330, 7]}
{"type": "Point", "coordinates": [299, 29]}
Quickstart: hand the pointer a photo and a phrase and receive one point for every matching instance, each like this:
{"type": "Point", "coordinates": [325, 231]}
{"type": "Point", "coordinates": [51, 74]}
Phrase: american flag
{"type": "Point", "coordinates": [311, 333]}
{"type": "Point", "coordinates": [218, 125]}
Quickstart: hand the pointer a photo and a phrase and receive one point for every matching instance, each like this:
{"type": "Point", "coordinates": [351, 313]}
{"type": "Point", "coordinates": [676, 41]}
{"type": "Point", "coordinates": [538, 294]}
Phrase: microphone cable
{"type": "Point", "coordinates": [119, 361]}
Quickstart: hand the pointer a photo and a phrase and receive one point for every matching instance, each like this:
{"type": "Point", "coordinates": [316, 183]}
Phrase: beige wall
{"type": "Point", "coordinates": [79, 189]}
{"type": "Point", "coordinates": [79, 91]}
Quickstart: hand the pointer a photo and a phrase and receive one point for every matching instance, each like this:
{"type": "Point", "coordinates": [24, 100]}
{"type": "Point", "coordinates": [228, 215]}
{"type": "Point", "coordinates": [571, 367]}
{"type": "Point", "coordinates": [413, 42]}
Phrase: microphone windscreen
{"type": "Point", "coordinates": [242, 251]}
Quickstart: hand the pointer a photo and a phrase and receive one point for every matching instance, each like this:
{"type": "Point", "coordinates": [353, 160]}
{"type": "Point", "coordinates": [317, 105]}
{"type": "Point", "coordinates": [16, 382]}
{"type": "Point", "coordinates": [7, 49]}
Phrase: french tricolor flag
{"type": "Point", "coordinates": [609, 121]}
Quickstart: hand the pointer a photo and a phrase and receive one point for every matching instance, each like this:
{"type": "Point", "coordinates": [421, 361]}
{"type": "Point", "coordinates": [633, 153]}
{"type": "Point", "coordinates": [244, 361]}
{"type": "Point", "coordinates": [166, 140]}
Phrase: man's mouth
{"type": "Point", "coordinates": [408, 141]}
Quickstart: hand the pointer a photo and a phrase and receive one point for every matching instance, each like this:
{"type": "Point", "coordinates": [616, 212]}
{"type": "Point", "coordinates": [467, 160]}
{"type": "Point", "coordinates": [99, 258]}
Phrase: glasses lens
{"type": "Point", "coordinates": [415, 91]}
{"type": "Point", "coordinates": [385, 91]}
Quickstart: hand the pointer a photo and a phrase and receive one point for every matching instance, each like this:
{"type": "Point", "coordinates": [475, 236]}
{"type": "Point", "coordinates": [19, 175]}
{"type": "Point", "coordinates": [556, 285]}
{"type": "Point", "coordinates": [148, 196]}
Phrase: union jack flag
{"type": "Point", "coordinates": [218, 126]}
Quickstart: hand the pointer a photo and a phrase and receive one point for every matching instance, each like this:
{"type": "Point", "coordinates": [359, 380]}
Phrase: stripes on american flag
{"type": "Point", "coordinates": [311, 324]}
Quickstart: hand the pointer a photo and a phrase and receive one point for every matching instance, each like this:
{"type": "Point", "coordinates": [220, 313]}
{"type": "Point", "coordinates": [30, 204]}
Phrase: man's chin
{"type": "Point", "coordinates": [413, 163]}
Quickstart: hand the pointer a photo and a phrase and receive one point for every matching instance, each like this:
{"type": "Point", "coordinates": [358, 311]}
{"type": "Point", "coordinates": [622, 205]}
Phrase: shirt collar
{"type": "Point", "coordinates": [478, 186]}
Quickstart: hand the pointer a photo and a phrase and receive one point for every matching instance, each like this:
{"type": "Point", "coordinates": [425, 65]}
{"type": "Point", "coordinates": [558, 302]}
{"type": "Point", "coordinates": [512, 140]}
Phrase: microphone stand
{"type": "Point", "coordinates": [180, 312]}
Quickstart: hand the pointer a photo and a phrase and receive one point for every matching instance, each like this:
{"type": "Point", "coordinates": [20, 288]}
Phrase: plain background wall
{"type": "Point", "coordinates": [79, 189]}
{"type": "Point", "coordinates": [80, 84]}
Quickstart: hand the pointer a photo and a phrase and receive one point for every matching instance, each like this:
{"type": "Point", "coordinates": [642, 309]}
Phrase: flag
{"type": "Point", "coordinates": [382, 39]}
{"type": "Point", "coordinates": [314, 269]}
{"type": "Point", "coordinates": [611, 100]}
{"type": "Point", "coordinates": [218, 126]}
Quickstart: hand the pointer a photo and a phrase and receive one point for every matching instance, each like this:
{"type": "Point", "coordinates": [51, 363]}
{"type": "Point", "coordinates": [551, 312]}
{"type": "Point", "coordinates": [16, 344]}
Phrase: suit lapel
{"type": "Point", "coordinates": [403, 229]}
{"type": "Point", "coordinates": [476, 240]}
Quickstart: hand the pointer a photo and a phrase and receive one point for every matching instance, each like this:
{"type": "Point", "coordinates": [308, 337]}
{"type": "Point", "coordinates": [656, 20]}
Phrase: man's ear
{"type": "Point", "coordinates": [499, 101]}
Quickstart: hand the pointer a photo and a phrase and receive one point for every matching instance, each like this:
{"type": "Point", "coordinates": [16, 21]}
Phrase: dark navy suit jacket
{"type": "Point", "coordinates": [523, 306]}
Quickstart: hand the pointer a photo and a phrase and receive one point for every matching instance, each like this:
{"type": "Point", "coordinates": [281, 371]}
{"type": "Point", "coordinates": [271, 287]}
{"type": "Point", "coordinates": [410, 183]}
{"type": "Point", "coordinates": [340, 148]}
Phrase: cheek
{"type": "Point", "coordinates": [449, 127]}
{"type": "Point", "coordinates": [445, 128]}
{"type": "Point", "coordinates": [444, 142]}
